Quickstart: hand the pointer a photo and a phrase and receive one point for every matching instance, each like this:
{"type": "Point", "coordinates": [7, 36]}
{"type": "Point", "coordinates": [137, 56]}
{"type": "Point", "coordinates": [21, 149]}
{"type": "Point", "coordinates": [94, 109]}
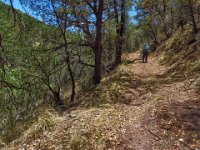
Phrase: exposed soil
{"type": "Point", "coordinates": [141, 108]}
{"type": "Point", "coordinates": [170, 114]}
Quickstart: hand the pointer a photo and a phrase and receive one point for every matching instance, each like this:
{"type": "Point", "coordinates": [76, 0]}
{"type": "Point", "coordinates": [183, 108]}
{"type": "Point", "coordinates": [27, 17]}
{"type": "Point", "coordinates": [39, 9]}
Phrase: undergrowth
{"type": "Point", "coordinates": [110, 91]}
{"type": "Point", "coordinates": [40, 121]}
{"type": "Point", "coordinates": [179, 38]}
{"type": "Point", "coordinates": [181, 52]}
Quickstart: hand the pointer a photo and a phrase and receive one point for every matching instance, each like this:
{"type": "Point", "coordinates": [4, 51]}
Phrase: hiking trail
{"type": "Point", "coordinates": [142, 108]}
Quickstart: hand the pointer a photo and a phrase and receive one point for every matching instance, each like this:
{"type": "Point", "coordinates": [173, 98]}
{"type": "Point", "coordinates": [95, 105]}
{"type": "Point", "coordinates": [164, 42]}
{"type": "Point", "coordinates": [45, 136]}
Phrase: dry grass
{"type": "Point", "coordinates": [42, 120]}
{"type": "Point", "coordinates": [127, 101]}
{"type": "Point", "coordinates": [179, 38]}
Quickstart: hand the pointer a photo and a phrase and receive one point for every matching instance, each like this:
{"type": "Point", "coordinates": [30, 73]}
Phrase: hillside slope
{"type": "Point", "coordinates": [138, 106]}
{"type": "Point", "coordinates": [20, 35]}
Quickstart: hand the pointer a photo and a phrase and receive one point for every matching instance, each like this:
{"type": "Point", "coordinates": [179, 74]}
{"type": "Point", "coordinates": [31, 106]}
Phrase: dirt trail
{"type": "Point", "coordinates": [139, 135]}
{"type": "Point", "coordinates": [141, 108]}
{"type": "Point", "coordinates": [165, 104]}
{"type": "Point", "coordinates": [152, 68]}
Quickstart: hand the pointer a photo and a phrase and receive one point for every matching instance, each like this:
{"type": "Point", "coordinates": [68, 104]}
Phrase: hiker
{"type": "Point", "coordinates": [145, 53]}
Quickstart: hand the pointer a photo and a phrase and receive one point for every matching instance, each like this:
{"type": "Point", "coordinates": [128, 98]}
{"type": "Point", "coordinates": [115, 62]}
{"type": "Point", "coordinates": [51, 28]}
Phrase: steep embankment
{"type": "Point", "coordinates": [22, 84]}
{"type": "Point", "coordinates": [138, 106]}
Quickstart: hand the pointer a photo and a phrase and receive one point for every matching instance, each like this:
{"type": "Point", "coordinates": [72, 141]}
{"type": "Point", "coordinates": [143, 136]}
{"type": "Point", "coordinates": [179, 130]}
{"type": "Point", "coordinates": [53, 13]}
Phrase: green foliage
{"type": "Point", "coordinates": [38, 62]}
{"type": "Point", "coordinates": [22, 81]}
{"type": "Point", "coordinates": [159, 20]}
{"type": "Point", "coordinates": [13, 75]}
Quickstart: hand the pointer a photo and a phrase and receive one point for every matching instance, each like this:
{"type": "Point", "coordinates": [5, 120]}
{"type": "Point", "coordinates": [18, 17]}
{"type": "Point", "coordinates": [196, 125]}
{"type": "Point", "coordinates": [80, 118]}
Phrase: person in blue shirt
{"type": "Point", "coordinates": [145, 52]}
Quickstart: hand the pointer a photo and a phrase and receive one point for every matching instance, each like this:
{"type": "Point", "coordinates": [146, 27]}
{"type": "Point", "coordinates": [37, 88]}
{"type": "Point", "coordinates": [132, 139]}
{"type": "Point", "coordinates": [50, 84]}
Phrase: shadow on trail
{"type": "Point", "coordinates": [182, 120]}
{"type": "Point", "coordinates": [138, 60]}
{"type": "Point", "coordinates": [125, 88]}
{"type": "Point", "coordinates": [111, 91]}
{"type": "Point", "coordinates": [121, 88]}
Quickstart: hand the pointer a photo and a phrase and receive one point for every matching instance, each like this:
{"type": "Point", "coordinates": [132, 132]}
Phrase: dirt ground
{"type": "Point", "coordinates": [141, 108]}
{"type": "Point", "coordinates": [170, 114]}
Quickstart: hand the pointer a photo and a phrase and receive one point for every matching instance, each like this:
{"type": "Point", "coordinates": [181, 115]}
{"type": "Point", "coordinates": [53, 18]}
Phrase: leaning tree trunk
{"type": "Point", "coordinates": [67, 55]}
{"type": "Point", "coordinates": [73, 90]}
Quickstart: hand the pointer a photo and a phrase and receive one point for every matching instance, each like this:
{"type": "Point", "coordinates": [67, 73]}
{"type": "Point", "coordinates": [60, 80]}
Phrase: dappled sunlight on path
{"type": "Point", "coordinates": [137, 107]}
{"type": "Point", "coordinates": [152, 68]}
{"type": "Point", "coordinates": [159, 95]}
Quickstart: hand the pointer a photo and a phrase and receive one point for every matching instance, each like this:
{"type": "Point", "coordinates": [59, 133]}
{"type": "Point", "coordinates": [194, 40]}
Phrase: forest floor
{"type": "Point", "coordinates": [139, 106]}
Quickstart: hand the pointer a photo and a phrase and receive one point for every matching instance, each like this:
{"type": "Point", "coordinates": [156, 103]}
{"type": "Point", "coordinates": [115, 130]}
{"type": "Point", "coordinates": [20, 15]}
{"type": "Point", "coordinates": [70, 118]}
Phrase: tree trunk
{"type": "Point", "coordinates": [73, 90]}
{"type": "Point", "coordinates": [120, 30]}
{"type": "Point", "coordinates": [192, 15]}
{"type": "Point", "coordinates": [154, 34]}
{"type": "Point", "coordinates": [57, 99]}
{"type": "Point", "coordinates": [172, 21]}
{"type": "Point", "coordinates": [98, 44]}
{"type": "Point", "coordinates": [166, 31]}
{"type": "Point", "coordinates": [67, 57]}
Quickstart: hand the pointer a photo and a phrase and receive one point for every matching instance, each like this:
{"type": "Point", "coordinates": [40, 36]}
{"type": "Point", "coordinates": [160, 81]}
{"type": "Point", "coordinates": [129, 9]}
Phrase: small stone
{"type": "Point", "coordinates": [181, 140]}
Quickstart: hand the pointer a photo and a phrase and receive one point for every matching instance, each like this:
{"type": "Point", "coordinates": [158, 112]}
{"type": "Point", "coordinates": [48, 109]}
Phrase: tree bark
{"type": "Point", "coordinates": [67, 55]}
{"type": "Point", "coordinates": [57, 99]}
{"type": "Point", "coordinates": [98, 44]}
{"type": "Point", "coordinates": [120, 30]}
{"type": "Point", "coordinates": [192, 15]}
{"type": "Point", "coordinates": [73, 90]}
{"type": "Point", "coordinates": [154, 34]}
